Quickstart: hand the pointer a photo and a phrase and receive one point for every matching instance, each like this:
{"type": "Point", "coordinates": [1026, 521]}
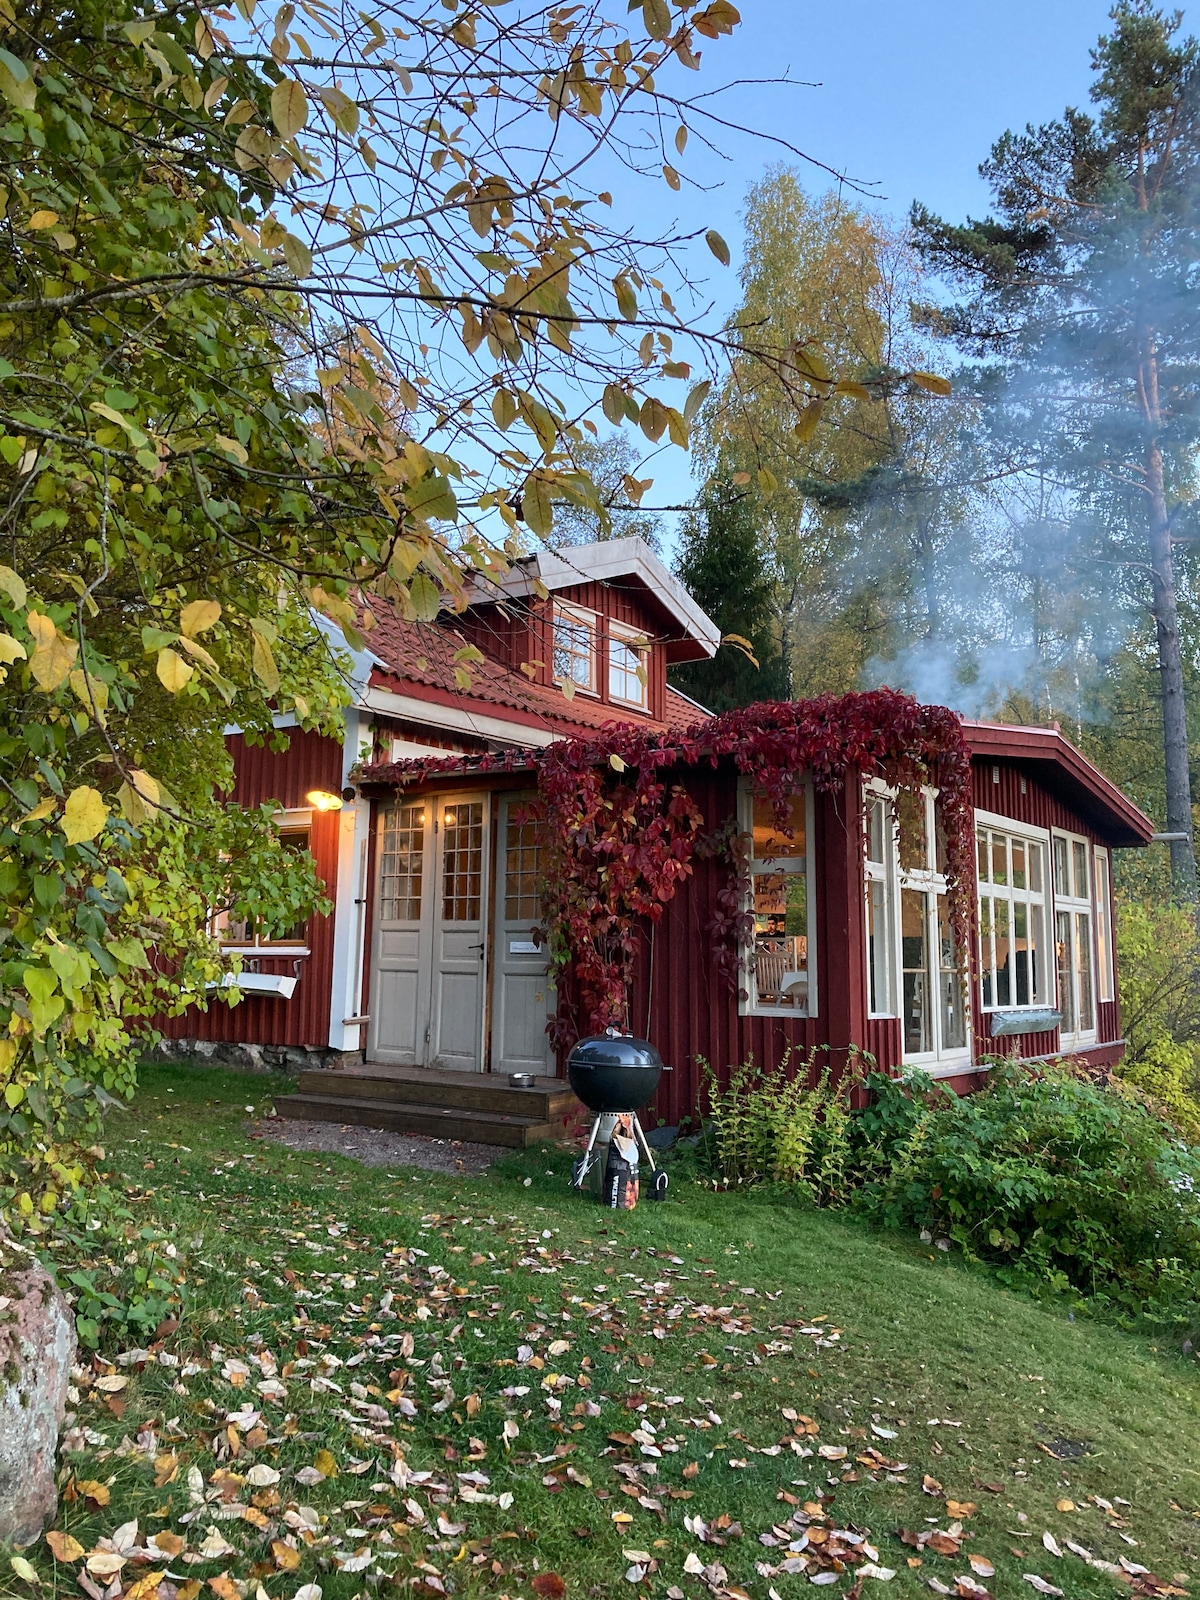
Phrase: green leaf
{"type": "Point", "coordinates": [297, 255]}
{"type": "Point", "coordinates": [16, 84]}
{"type": "Point", "coordinates": [426, 597]}
{"type": "Point", "coordinates": [657, 16]}
{"type": "Point", "coordinates": [535, 505]}
{"type": "Point", "coordinates": [718, 246]}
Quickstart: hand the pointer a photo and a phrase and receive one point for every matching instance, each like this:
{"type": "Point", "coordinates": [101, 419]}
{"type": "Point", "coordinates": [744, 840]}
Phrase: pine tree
{"type": "Point", "coordinates": [722, 564]}
{"type": "Point", "coordinates": [1083, 284]}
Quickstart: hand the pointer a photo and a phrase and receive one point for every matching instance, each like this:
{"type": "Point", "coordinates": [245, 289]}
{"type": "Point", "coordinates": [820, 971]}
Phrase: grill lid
{"type": "Point", "coordinates": [616, 1050]}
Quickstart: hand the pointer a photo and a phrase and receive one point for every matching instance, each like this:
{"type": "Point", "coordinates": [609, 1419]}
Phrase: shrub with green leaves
{"type": "Point", "coordinates": [1055, 1180]}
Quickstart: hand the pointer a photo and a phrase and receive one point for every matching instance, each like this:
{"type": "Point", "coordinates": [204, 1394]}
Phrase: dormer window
{"type": "Point", "coordinates": [628, 652]}
{"type": "Point", "coordinates": [575, 647]}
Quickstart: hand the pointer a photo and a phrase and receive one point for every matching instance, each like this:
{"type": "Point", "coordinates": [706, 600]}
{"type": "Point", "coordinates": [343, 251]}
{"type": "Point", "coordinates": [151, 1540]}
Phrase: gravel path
{"type": "Point", "coordinates": [375, 1147]}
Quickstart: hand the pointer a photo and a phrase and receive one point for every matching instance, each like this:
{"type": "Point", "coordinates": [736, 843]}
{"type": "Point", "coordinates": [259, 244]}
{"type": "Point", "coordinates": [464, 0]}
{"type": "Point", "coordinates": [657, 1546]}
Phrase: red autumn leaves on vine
{"type": "Point", "coordinates": [622, 832]}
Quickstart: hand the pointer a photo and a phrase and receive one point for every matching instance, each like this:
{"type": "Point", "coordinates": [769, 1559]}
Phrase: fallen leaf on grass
{"type": "Point", "coordinates": [549, 1585]}
{"type": "Point", "coordinates": [98, 1493]}
{"type": "Point", "coordinates": [1064, 1505]}
{"type": "Point", "coordinates": [961, 1508]}
{"type": "Point", "coordinates": [1040, 1584]}
{"type": "Point", "coordinates": [1051, 1544]}
{"type": "Point", "coordinates": [63, 1547]}
{"type": "Point", "coordinates": [286, 1559]}
{"type": "Point", "coordinates": [982, 1567]}
{"type": "Point", "coordinates": [105, 1563]}
{"type": "Point", "coordinates": [23, 1570]}
{"type": "Point", "coordinates": [325, 1463]}
{"type": "Point", "coordinates": [224, 1587]}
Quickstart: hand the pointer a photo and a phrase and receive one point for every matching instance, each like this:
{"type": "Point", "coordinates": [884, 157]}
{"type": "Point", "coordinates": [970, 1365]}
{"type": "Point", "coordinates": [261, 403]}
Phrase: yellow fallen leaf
{"type": "Point", "coordinates": [286, 1559]}
{"type": "Point", "coordinates": [63, 1547]}
{"type": "Point", "coordinates": [143, 1587]}
{"type": "Point", "coordinates": [23, 1570]}
{"type": "Point", "coordinates": [325, 1463]}
{"type": "Point", "coordinates": [961, 1508]}
{"type": "Point", "coordinates": [168, 1544]}
{"type": "Point", "coordinates": [224, 1586]}
{"type": "Point", "coordinates": [1065, 1505]}
{"type": "Point", "coordinates": [93, 1490]}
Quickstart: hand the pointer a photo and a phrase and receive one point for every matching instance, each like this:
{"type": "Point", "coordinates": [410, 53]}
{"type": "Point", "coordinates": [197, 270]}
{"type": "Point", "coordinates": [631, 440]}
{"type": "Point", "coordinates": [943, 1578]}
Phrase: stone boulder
{"type": "Point", "coordinates": [37, 1348]}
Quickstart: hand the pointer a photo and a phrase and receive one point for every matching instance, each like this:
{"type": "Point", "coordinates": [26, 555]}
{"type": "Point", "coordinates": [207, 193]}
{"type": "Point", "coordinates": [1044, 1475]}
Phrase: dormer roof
{"type": "Point", "coordinates": [689, 633]}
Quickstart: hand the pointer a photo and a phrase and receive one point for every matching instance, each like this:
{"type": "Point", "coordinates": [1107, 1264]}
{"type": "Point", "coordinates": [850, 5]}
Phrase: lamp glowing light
{"type": "Point", "coordinates": [323, 800]}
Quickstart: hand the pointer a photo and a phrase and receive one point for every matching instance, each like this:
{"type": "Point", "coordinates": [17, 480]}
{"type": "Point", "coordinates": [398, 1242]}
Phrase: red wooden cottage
{"type": "Point", "coordinates": [831, 923]}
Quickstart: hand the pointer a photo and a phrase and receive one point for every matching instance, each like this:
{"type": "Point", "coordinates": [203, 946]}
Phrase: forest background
{"type": "Point", "coordinates": [1026, 549]}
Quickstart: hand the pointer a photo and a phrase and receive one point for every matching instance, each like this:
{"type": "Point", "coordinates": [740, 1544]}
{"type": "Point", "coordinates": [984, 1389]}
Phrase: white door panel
{"type": "Point", "coordinates": [523, 996]}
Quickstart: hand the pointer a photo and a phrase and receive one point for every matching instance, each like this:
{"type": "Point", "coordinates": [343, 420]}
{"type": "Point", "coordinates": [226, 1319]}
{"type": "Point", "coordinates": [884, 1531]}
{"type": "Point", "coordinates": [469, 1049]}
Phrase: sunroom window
{"type": "Point", "coordinates": [1073, 936]}
{"type": "Point", "coordinates": [932, 988]}
{"type": "Point", "coordinates": [780, 962]}
{"type": "Point", "coordinates": [1014, 970]}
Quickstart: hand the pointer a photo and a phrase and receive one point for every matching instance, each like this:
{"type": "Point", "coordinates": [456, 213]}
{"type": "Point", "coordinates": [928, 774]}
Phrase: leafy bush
{"type": "Point", "coordinates": [1056, 1181]}
{"type": "Point", "coordinates": [1053, 1179]}
{"type": "Point", "coordinates": [1158, 946]}
{"type": "Point", "coordinates": [777, 1129]}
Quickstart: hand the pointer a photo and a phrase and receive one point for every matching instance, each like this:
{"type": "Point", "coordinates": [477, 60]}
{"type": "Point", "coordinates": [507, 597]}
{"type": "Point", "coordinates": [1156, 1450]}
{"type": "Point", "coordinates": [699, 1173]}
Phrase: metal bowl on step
{"type": "Point", "coordinates": [615, 1072]}
{"type": "Point", "coordinates": [521, 1080]}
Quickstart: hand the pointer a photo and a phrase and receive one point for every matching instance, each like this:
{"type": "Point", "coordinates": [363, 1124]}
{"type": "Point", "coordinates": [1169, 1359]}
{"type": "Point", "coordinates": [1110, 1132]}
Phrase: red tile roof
{"type": "Point", "coordinates": [417, 659]}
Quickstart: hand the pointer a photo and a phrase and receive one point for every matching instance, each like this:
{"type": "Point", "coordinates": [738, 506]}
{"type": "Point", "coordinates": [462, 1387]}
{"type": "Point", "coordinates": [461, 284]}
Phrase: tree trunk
{"type": "Point", "coordinates": [1170, 670]}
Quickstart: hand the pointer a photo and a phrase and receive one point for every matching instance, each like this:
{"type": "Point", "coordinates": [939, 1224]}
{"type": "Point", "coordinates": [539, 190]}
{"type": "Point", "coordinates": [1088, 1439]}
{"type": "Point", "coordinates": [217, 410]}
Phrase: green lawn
{"type": "Point", "coordinates": [392, 1315]}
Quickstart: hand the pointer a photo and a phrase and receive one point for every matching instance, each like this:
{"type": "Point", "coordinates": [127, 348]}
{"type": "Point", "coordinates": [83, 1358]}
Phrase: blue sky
{"type": "Point", "coordinates": [911, 95]}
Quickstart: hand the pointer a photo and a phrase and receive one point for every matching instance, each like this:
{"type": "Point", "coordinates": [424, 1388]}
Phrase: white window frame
{"type": "Point", "coordinates": [1074, 906]}
{"type": "Point", "coordinates": [626, 638]}
{"type": "Point", "coordinates": [884, 874]}
{"type": "Point", "coordinates": [994, 822]}
{"type": "Point", "coordinates": [751, 1006]}
{"type": "Point", "coordinates": [576, 617]}
{"type": "Point", "coordinates": [297, 820]}
{"type": "Point", "coordinates": [1106, 964]}
{"type": "Point", "coordinates": [940, 1062]}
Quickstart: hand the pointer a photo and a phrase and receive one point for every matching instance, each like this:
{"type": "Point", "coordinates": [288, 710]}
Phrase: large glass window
{"type": "Point", "coordinates": [1074, 955]}
{"type": "Point", "coordinates": [914, 966]}
{"type": "Point", "coordinates": [780, 963]}
{"type": "Point", "coordinates": [575, 648]}
{"type": "Point", "coordinates": [881, 936]}
{"type": "Point", "coordinates": [932, 999]}
{"type": "Point", "coordinates": [1011, 869]}
{"type": "Point", "coordinates": [627, 655]}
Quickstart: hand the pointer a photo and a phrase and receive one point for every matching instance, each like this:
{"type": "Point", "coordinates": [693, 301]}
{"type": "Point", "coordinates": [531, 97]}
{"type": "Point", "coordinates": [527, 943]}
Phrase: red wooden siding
{"type": "Point", "coordinates": [310, 762]}
{"type": "Point", "coordinates": [685, 1004]}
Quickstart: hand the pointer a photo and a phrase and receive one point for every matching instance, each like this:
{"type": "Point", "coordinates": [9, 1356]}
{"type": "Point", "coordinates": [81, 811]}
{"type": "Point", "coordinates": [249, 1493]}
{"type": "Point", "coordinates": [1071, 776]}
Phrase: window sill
{"type": "Point", "coordinates": [266, 950]}
{"type": "Point", "coordinates": [954, 1067]}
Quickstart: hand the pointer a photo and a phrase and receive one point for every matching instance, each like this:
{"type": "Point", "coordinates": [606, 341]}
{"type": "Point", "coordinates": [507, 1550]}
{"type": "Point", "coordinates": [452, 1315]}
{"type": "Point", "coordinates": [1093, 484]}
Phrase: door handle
{"type": "Point", "coordinates": [478, 947]}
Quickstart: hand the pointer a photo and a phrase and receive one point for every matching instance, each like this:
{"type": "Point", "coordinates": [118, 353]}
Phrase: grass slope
{"type": "Point", "coordinates": [290, 1260]}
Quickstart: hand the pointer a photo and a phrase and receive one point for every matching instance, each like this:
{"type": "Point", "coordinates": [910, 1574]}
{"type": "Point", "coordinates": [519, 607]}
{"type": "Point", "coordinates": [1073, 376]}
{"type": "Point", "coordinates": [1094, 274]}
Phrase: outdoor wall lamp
{"type": "Point", "coordinates": [323, 800]}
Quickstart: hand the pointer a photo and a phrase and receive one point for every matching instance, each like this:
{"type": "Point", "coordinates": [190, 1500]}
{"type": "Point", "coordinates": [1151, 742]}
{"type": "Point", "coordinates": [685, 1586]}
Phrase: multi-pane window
{"type": "Point", "coordinates": [243, 933]}
{"type": "Point", "coordinates": [1011, 871]}
{"type": "Point", "coordinates": [881, 916]}
{"type": "Point", "coordinates": [1106, 978]}
{"type": "Point", "coordinates": [627, 654]}
{"type": "Point", "coordinates": [575, 648]}
{"type": "Point", "coordinates": [781, 976]}
{"type": "Point", "coordinates": [462, 861]}
{"type": "Point", "coordinates": [401, 861]}
{"type": "Point", "coordinates": [523, 872]}
{"type": "Point", "coordinates": [1073, 933]}
{"type": "Point", "coordinates": [932, 983]}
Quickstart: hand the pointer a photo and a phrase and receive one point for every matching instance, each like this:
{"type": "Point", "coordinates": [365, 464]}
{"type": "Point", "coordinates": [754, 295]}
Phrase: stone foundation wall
{"type": "Point", "coordinates": [289, 1059]}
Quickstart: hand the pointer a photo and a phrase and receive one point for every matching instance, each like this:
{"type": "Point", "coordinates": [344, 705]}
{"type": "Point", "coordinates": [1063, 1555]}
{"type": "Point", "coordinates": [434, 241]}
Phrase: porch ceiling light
{"type": "Point", "coordinates": [323, 800]}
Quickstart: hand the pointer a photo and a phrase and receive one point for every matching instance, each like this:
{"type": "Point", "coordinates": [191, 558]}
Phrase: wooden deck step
{"type": "Point", "coordinates": [438, 1122]}
{"type": "Point", "coordinates": [549, 1100]}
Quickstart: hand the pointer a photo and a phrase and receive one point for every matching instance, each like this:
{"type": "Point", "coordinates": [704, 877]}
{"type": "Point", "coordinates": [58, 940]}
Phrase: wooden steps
{"type": "Point", "coordinates": [471, 1106]}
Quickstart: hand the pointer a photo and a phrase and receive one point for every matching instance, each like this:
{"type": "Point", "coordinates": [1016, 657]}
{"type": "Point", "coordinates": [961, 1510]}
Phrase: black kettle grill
{"type": "Point", "coordinates": [615, 1075]}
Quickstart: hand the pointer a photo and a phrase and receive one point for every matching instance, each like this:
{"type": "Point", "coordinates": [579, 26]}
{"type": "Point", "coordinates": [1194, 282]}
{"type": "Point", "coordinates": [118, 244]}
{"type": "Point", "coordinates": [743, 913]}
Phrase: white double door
{"type": "Point", "coordinates": [442, 937]}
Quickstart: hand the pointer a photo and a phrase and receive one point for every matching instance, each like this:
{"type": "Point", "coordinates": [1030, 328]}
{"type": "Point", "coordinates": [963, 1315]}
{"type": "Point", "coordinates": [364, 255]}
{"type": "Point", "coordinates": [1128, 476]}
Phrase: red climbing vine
{"type": "Point", "coordinates": [623, 832]}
